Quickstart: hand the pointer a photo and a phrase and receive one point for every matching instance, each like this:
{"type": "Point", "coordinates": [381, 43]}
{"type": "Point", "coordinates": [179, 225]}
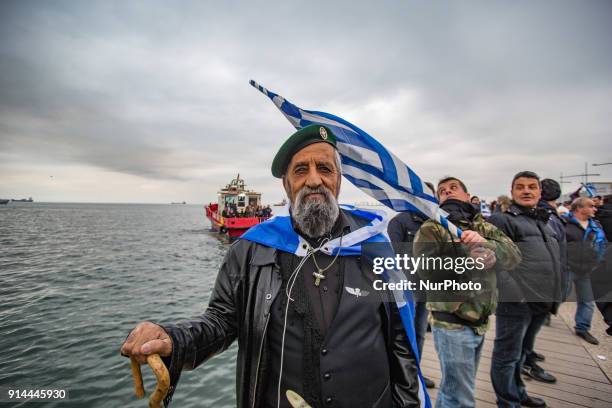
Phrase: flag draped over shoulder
{"type": "Point", "coordinates": [379, 173]}
{"type": "Point", "coordinates": [368, 164]}
{"type": "Point", "coordinates": [278, 233]}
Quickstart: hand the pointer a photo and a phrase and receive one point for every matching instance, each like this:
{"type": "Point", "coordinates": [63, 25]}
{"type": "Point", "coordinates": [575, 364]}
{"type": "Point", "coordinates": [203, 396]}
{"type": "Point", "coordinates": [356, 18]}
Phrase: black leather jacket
{"type": "Point", "coordinates": [239, 308]}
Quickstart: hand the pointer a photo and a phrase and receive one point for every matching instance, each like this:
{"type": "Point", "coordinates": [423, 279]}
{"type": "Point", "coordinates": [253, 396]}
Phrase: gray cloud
{"type": "Point", "coordinates": [155, 90]}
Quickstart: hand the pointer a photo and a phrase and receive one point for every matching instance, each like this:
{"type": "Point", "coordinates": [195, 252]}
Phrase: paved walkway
{"type": "Point", "coordinates": [583, 379]}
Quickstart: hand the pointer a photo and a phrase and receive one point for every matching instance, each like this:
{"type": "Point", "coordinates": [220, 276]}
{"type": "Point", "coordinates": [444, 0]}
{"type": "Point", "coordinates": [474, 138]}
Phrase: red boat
{"type": "Point", "coordinates": [227, 215]}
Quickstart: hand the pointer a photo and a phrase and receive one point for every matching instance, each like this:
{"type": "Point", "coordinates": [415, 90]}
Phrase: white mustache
{"type": "Point", "coordinates": [306, 191]}
{"type": "Point", "coordinates": [315, 217]}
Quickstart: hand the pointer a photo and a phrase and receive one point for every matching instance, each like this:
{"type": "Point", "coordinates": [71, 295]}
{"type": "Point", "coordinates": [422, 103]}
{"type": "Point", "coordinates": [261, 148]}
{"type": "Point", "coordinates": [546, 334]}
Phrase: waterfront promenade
{"type": "Point", "coordinates": [583, 378]}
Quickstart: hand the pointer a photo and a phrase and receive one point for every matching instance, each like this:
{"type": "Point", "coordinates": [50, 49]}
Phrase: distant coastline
{"type": "Point", "coordinates": [4, 201]}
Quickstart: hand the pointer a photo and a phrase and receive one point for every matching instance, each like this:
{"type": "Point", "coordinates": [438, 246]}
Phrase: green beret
{"type": "Point", "coordinates": [296, 142]}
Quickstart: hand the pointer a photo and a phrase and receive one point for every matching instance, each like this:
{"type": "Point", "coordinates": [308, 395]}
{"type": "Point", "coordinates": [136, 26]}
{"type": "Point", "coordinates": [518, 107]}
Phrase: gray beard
{"type": "Point", "coordinates": [315, 218]}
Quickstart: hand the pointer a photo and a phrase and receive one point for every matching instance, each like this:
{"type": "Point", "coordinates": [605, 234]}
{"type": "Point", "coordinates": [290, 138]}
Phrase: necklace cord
{"type": "Point", "coordinates": [290, 282]}
{"type": "Point", "coordinates": [333, 261]}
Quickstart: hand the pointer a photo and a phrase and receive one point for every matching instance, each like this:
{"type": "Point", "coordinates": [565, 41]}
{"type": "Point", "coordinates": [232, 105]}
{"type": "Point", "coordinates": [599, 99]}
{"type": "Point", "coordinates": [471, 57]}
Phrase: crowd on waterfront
{"type": "Point", "coordinates": [292, 294]}
{"type": "Point", "coordinates": [531, 236]}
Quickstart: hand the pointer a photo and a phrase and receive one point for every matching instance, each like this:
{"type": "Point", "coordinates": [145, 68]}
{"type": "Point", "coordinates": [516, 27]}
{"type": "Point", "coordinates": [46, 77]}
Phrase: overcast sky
{"type": "Point", "coordinates": [146, 101]}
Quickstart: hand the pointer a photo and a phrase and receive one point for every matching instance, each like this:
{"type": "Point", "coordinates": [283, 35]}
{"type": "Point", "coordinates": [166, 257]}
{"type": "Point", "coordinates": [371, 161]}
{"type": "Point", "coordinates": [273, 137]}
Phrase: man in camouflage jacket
{"type": "Point", "coordinates": [460, 319]}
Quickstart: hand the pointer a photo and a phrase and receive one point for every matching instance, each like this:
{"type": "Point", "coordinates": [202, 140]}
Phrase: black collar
{"type": "Point", "coordinates": [537, 213]}
{"type": "Point", "coordinates": [459, 210]}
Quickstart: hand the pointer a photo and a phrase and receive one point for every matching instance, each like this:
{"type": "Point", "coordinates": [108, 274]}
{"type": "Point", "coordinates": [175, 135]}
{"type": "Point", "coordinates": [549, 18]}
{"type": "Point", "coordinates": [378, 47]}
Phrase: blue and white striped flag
{"type": "Point", "coordinates": [590, 189]}
{"type": "Point", "coordinates": [485, 210]}
{"type": "Point", "coordinates": [278, 233]}
{"type": "Point", "coordinates": [379, 173]}
{"type": "Point", "coordinates": [368, 164]}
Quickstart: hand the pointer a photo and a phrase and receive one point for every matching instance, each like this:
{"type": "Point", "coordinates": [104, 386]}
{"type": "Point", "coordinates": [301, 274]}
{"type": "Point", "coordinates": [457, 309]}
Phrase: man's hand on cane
{"type": "Point", "coordinates": [147, 338]}
{"type": "Point", "coordinates": [145, 344]}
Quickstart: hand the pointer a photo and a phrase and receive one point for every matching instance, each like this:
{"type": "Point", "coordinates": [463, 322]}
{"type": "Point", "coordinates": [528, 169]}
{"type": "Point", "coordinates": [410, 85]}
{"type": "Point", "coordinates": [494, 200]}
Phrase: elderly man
{"type": "Point", "coordinates": [586, 248]}
{"type": "Point", "coordinates": [461, 321]}
{"type": "Point", "coordinates": [527, 293]}
{"type": "Point", "coordinates": [297, 321]}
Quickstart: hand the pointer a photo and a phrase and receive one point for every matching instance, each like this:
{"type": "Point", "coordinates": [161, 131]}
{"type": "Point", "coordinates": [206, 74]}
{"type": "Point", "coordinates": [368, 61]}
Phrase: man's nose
{"type": "Point", "coordinates": [314, 179]}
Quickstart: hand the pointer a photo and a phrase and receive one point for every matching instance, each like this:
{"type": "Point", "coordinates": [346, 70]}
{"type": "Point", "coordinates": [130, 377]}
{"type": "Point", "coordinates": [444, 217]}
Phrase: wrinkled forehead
{"type": "Point", "coordinates": [316, 152]}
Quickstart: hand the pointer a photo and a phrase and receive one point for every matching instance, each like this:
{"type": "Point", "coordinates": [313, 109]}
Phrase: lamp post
{"type": "Point", "coordinates": [561, 180]}
{"type": "Point", "coordinates": [585, 175]}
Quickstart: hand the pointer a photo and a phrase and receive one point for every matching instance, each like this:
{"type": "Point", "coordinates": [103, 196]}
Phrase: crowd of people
{"type": "Point", "coordinates": [527, 238]}
{"type": "Point", "coordinates": [231, 211]}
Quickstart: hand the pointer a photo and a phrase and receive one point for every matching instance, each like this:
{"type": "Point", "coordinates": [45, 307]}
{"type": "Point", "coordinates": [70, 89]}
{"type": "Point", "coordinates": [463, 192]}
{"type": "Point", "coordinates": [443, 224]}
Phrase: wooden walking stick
{"type": "Point", "coordinates": [162, 375]}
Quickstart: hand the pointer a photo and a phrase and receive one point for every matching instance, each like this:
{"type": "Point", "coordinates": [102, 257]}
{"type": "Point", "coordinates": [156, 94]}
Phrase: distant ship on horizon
{"type": "Point", "coordinates": [4, 201]}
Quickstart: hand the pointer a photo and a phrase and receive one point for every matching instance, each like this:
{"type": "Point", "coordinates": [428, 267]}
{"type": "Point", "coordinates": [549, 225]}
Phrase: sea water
{"type": "Point", "coordinates": [76, 278]}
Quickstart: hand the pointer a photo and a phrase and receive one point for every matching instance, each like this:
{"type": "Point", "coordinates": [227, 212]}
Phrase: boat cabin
{"type": "Point", "coordinates": [235, 193]}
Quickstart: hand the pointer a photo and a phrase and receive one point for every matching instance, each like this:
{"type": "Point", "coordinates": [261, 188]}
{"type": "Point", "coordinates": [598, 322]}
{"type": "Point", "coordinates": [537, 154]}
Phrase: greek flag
{"type": "Point", "coordinates": [590, 189]}
{"type": "Point", "coordinates": [278, 232]}
{"type": "Point", "coordinates": [379, 173]}
{"type": "Point", "coordinates": [368, 164]}
{"type": "Point", "coordinates": [484, 209]}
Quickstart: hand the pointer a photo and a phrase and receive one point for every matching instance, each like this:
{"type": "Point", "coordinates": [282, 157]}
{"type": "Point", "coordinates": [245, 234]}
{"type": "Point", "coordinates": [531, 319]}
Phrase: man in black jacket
{"type": "Point", "coordinates": [335, 349]}
{"type": "Point", "coordinates": [527, 293]}
{"type": "Point", "coordinates": [604, 215]}
{"type": "Point", "coordinates": [551, 191]}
